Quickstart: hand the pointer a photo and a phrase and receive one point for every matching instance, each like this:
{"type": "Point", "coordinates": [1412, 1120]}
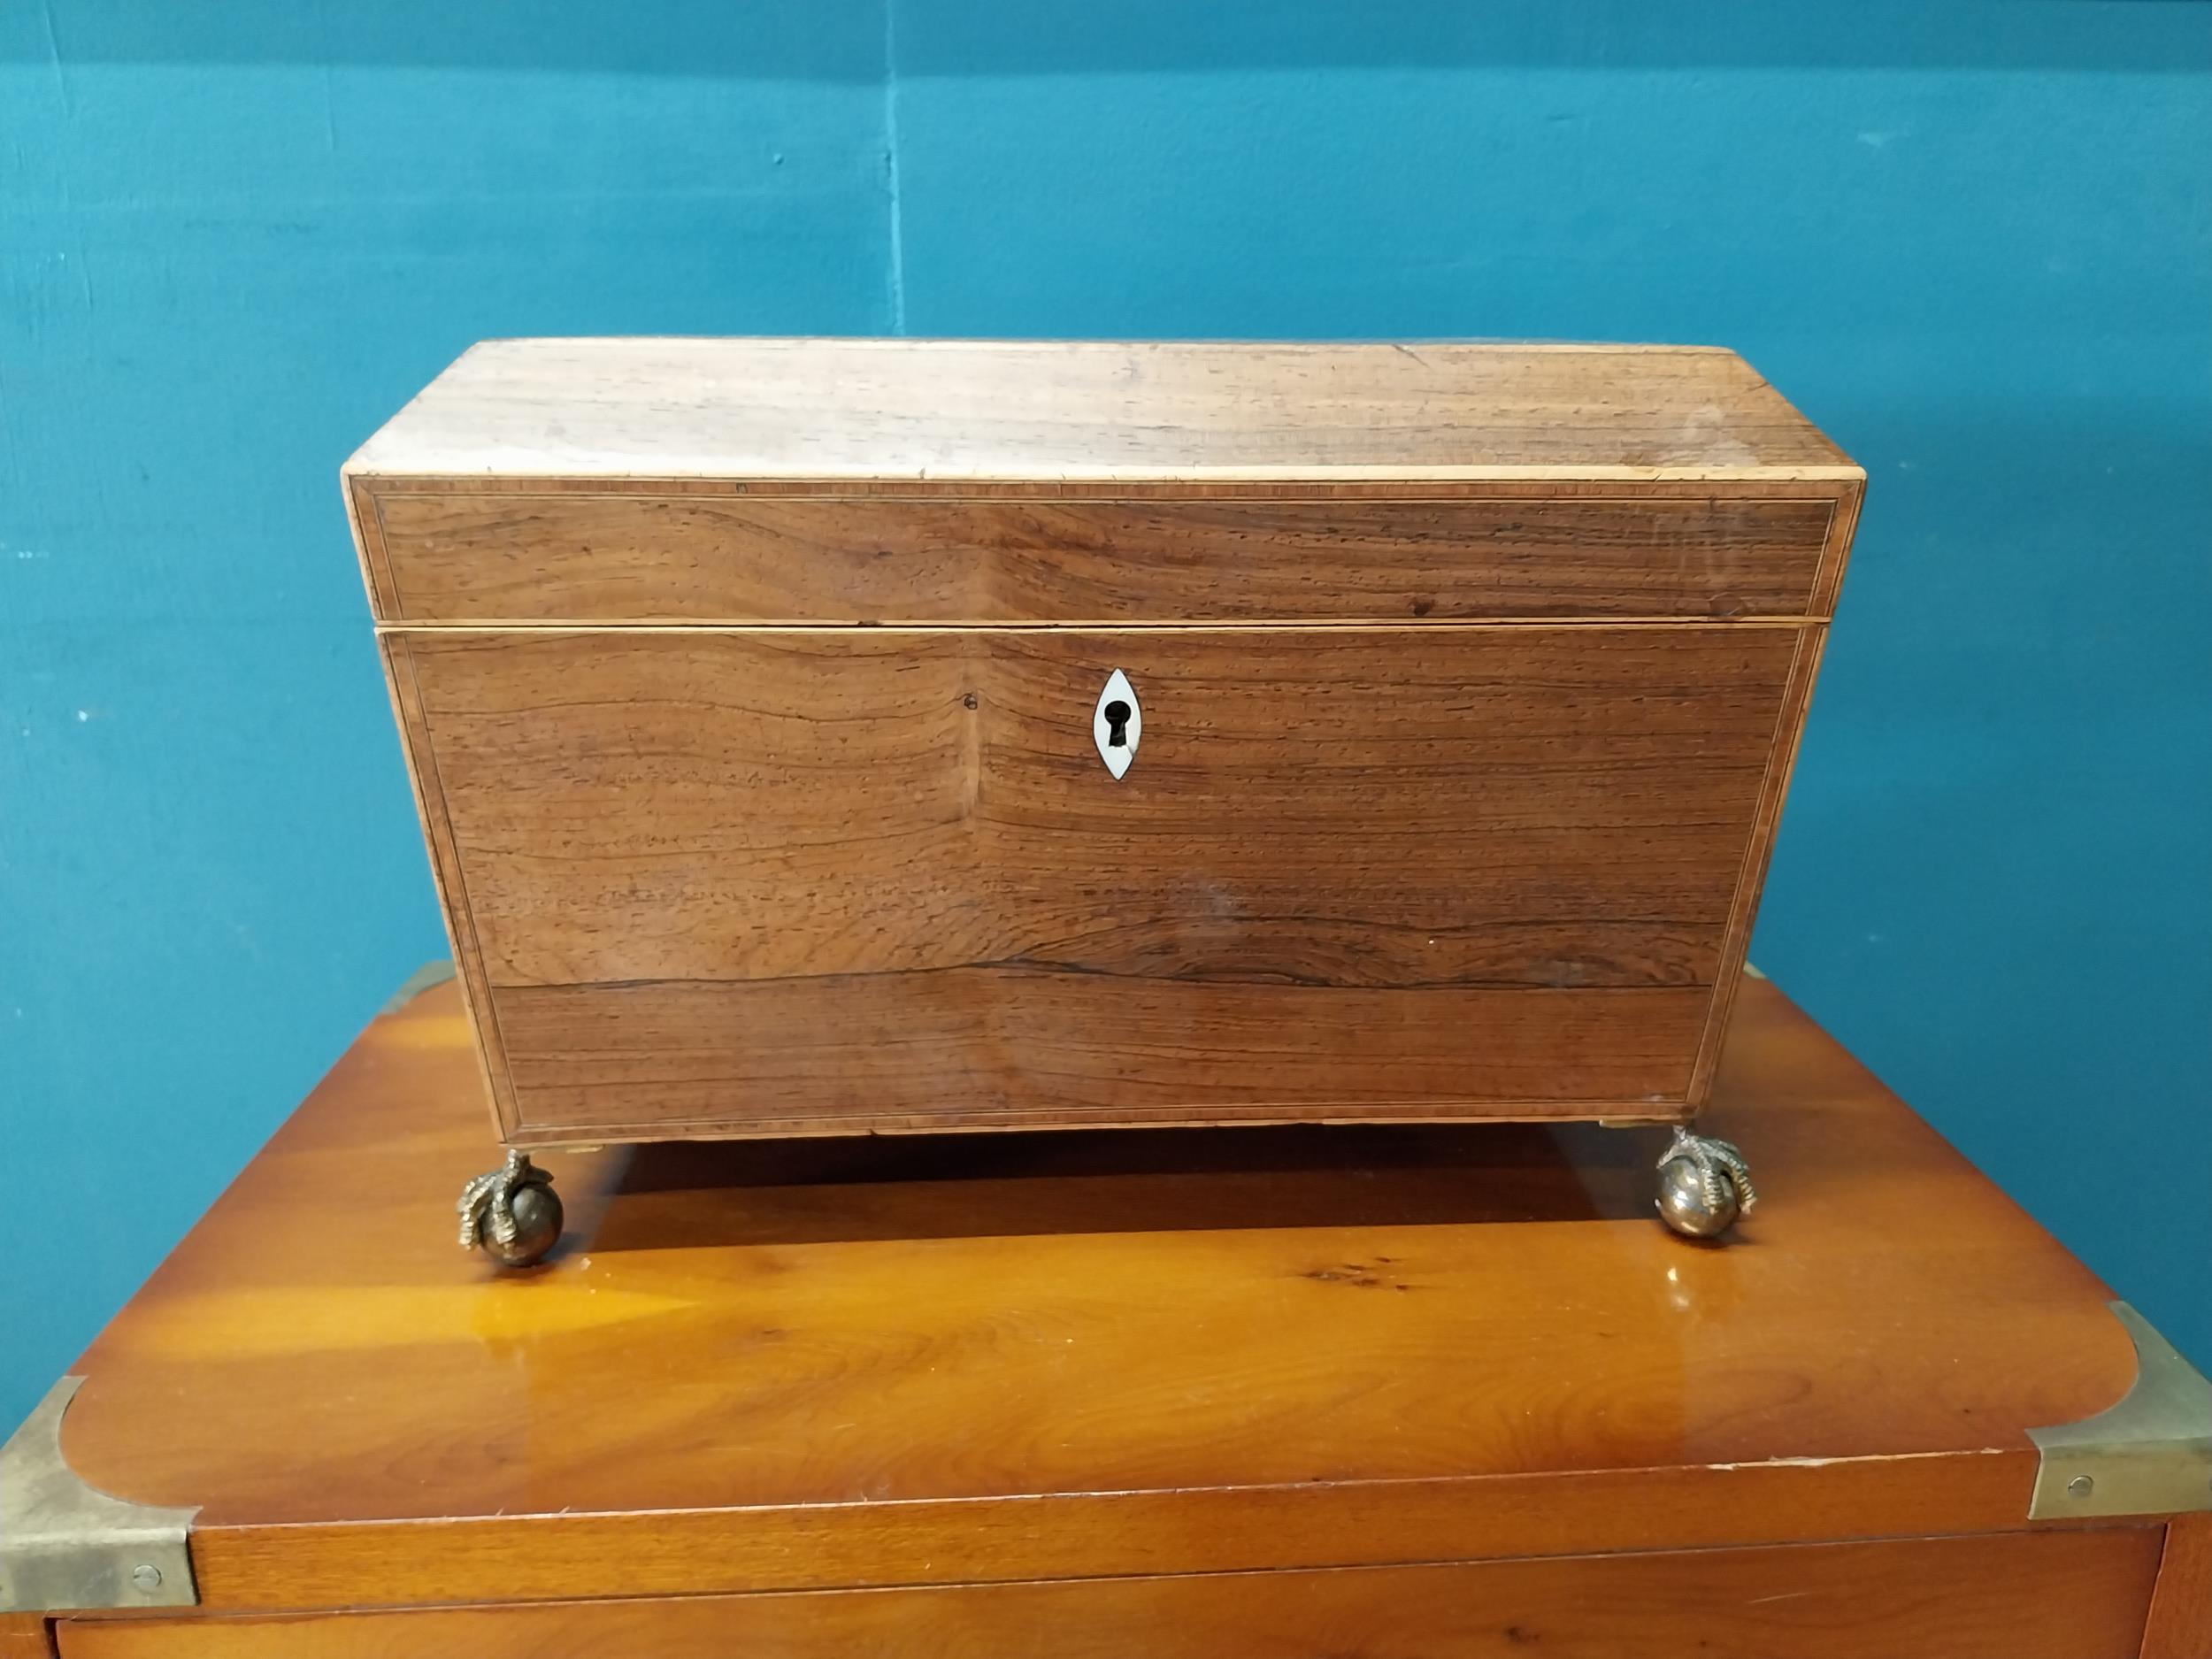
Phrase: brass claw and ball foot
{"type": "Point", "coordinates": [512, 1214]}
{"type": "Point", "coordinates": [1704, 1185]}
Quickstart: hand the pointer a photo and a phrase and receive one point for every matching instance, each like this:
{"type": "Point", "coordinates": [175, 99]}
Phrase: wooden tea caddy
{"type": "Point", "coordinates": [827, 737]}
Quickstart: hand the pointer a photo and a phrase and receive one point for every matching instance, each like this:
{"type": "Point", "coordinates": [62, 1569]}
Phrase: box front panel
{"type": "Point", "coordinates": [761, 880]}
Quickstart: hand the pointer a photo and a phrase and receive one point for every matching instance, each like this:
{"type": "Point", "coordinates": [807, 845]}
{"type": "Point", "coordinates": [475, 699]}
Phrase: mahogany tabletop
{"type": "Point", "coordinates": [926, 1360]}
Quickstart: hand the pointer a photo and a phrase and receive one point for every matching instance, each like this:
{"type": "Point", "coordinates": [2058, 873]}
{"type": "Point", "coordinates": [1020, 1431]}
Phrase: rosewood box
{"type": "Point", "coordinates": [836, 736]}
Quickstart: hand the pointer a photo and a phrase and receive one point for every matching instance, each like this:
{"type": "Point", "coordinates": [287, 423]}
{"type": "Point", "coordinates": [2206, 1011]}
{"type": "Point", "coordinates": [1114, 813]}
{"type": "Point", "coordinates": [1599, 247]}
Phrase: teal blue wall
{"type": "Point", "coordinates": [1973, 239]}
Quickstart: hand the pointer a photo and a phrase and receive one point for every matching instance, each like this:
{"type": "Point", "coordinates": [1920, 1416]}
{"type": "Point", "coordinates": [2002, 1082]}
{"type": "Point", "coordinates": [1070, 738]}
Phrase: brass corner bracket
{"type": "Point", "coordinates": [65, 1546]}
{"type": "Point", "coordinates": [2151, 1454]}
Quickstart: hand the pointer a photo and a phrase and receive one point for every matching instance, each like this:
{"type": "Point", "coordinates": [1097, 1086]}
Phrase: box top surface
{"type": "Point", "coordinates": [909, 409]}
{"type": "Point", "coordinates": [780, 1364]}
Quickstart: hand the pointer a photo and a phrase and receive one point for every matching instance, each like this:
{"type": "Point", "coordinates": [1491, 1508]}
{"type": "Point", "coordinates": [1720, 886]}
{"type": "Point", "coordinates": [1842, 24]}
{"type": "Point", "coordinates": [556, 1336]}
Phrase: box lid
{"type": "Point", "coordinates": [929, 1361]}
{"type": "Point", "coordinates": [913, 410]}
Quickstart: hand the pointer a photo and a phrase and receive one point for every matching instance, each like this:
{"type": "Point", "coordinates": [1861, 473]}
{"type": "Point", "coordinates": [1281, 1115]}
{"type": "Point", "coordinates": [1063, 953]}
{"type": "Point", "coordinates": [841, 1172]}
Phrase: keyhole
{"type": "Point", "coordinates": [1118, 724]}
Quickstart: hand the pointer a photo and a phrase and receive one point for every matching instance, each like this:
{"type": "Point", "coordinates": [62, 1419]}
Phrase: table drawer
{"type": "Point", "coordinates": [464, 555]}
{"type": "Point", "coordinates": [2050, 1595]}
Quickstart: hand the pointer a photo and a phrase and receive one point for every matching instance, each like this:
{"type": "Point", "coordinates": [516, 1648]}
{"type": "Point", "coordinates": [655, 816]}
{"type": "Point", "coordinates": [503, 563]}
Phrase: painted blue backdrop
{"type": "Point", "coordinates": [1974, 241]}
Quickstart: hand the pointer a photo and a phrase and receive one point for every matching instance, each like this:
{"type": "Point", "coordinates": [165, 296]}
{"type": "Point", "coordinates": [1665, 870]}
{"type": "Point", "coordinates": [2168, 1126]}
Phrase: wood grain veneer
{"type": "Point", "coordinates": [1057, 410]}
{"type": "Point", "coordinates": [747, 689]}
{"type": "Point", "coordinates": [553, 558]}
{"type": "Point", "coordinates": [886, 884]}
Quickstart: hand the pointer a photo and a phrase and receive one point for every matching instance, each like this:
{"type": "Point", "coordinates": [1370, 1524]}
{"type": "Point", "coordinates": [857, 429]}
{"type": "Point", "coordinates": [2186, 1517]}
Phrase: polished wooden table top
{"type": "Point", "coordinates": [887, 1360]}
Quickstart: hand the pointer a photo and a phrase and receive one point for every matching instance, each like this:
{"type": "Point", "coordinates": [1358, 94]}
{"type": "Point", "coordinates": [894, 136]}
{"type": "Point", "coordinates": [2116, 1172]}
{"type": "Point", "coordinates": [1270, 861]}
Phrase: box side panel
{"type": "Point", "coordinates": [365, 516]}
{"type": "Point", "coordinates": [1743, 910]}
{"type": "Point", "coordinates": [1789, 736]}
{"type": "Point", "coordinates": [445, 864]}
